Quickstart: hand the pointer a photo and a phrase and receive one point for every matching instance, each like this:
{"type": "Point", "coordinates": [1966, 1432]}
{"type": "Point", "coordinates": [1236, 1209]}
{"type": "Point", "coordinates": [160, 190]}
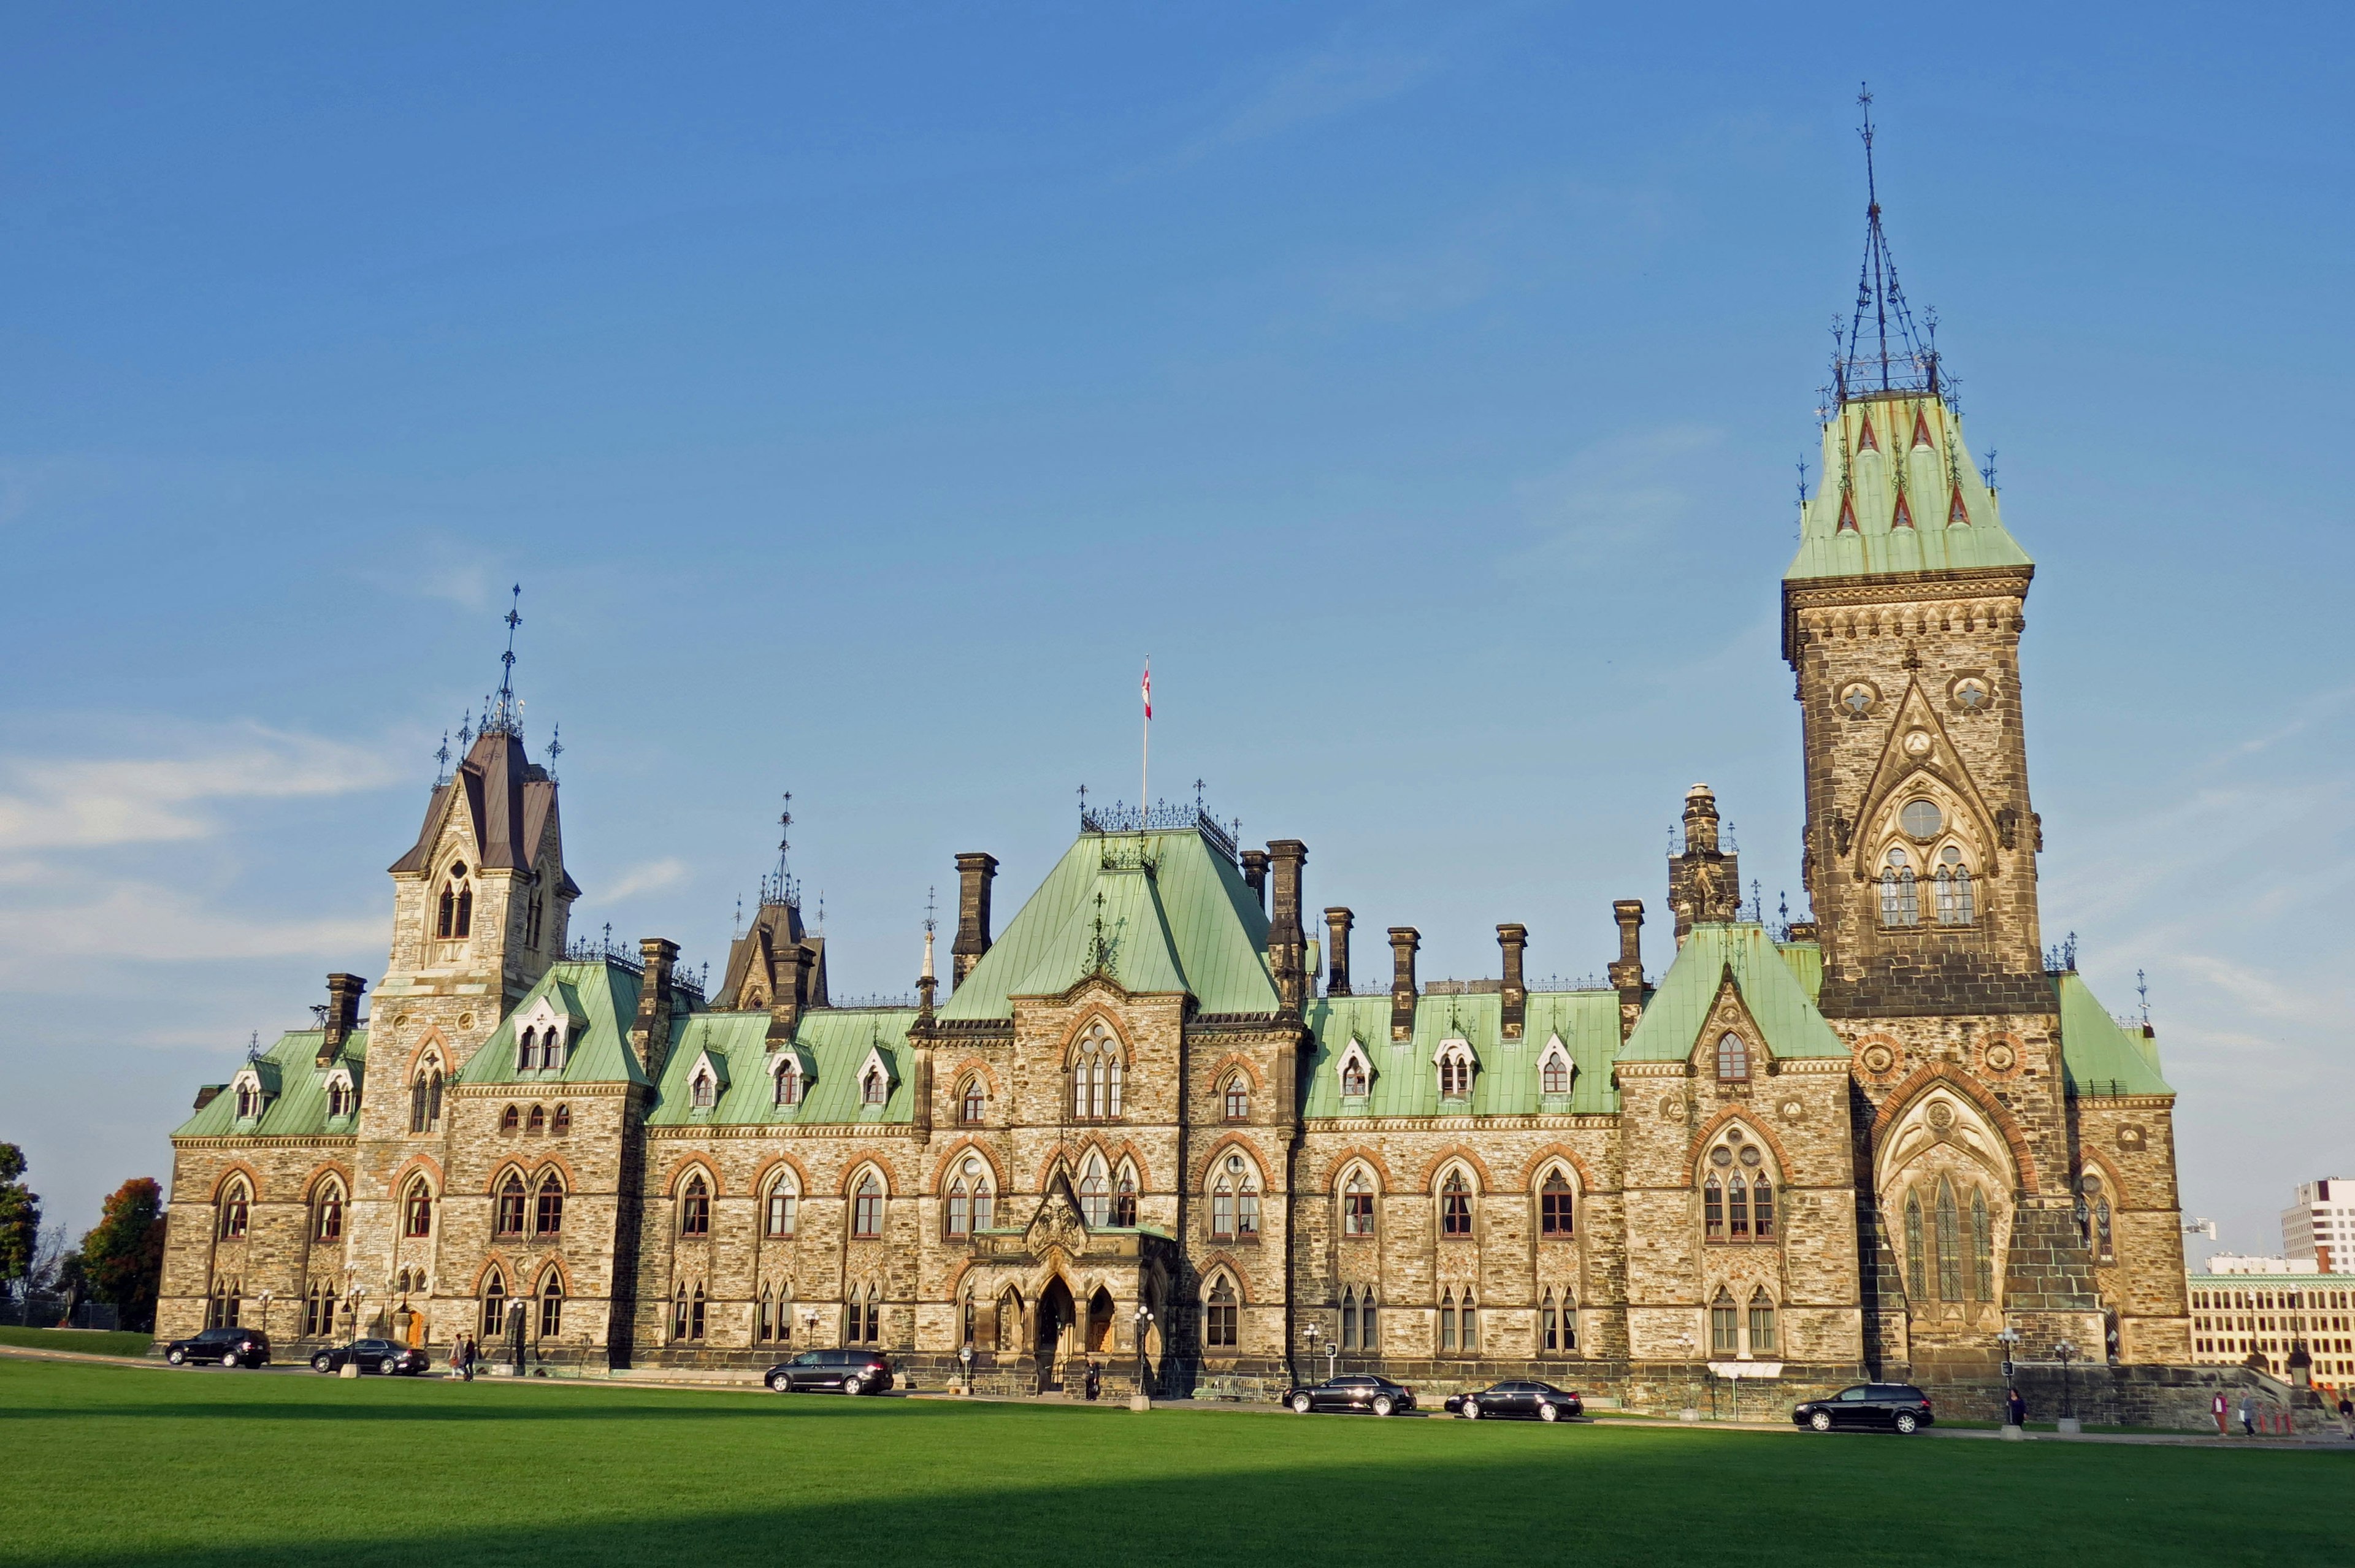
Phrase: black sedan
{"type": "Point", "coordinates": [229, 1347]}
{"type": "Point", "coordinates": [832, 1372]}
{"type": "Point", "coordinates": [387, 1355]}
{"type": "Point", "coordinates": [1518, 1402]}
{"type": "Point", "coordinates": [1887, 1407]}
{"type": "Point", "coordinates": [1361, 1394]}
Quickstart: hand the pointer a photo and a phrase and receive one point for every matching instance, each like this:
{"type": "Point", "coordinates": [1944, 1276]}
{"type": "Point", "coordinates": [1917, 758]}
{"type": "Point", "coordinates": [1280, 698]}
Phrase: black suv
{"type": "Point", "coordinates": [387, 1355]}
{"type": "Point", "coordinates": [1895, 1407]}
{"type": "Point", "coordinates": [832, 1372]}
{"type": "Point", "coordinates": [229, 1347]}
{"type": "Point", "coordinates": [1362, 1393]}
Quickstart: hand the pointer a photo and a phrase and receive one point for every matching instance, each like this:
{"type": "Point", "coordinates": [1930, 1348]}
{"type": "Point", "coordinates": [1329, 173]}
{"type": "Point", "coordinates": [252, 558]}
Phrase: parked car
{"type": "Point", "coordinates": [832, 1372]}
{"type": "Point", "coordinates": [1898, 1407]}
{"type": "Point", "coordinates": [229, 1347]}
{"type": "Point", "coordinates": [388, 1356]}
{"type": "Point", "coordinates": [1518, 1400]}
{"type": "Point", "coordinates": [1360, 1392]}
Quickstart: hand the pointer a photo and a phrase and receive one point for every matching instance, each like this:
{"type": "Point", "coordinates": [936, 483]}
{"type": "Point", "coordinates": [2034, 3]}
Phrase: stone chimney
{"type": "Point", "coordinates": [973, 873]}
{"type": "Point", "coordinates": [1627, 973]}
{"type": "Point", "coordinates": [1704, 883]}
{"type": "Point", "coordinates": [1338, 922]}
{"type": "Point", "coordinates": [650, 1035]}
{"type": "Point", "coordinates": [1287, 943]}
{"type": "Point", "coordinates": [1514, 939]}
{"type": "Point", "coordinates": [342, 1014]}
{"type": "Point", "coordinates": [1255, 874]}
{"type": "Point", "coordinates": [788, 991]}
{"type": "Point", "coordinates": [1404, 940]}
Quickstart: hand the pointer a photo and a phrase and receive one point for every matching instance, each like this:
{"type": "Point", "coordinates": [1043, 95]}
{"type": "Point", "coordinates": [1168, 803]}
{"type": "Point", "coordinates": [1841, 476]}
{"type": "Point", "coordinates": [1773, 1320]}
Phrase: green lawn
{"type": "Point", "coordinates": [108, 1465]}
{"type": "Point", "coordinates": [90, 1341]}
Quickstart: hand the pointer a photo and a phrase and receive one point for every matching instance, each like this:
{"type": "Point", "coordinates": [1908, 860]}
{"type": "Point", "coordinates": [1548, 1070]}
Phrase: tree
{"type": "Point", "coordinates": [122, 1255]}
{"type": "Point", "coordinates": [20, 1217]}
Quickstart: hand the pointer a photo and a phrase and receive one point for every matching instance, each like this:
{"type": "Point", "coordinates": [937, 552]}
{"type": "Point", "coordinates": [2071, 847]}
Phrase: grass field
{"type": "Point", "coordinates": [107, 1464]}
{"type": "Point", "coordinates": [90, 1341]}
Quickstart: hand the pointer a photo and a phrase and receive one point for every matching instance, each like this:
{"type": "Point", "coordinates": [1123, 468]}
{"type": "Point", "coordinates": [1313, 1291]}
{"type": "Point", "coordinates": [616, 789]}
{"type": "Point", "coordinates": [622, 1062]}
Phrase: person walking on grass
{"type": "Point", "coordinates": [2248, 1415]}
{"type": "Point", "coordinates": [464, 1356]}
{"type": "Point", "coordinates": [2015, 1409]}
{"type": "Point", "coordinates": [2222, 1408]}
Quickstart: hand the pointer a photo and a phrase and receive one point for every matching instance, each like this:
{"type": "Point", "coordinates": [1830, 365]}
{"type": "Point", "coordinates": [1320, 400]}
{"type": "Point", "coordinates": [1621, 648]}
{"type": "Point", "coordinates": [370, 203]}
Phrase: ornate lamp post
{"type": "Point", "coordinates": [265, 1297]}
{"type": "Point", "coordinates": [2066, 1351]}
{"type": "Point", "coordinates": [1142, 1399]}
{"type": "Point", "coordinates": [964, 1355]}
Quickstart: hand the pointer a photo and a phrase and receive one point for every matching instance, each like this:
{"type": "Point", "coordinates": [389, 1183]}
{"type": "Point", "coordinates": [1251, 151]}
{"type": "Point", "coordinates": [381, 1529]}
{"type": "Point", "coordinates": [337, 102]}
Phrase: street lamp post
{"type": "Point", "coordinates": [965, 1356]}
{"type": "Point", "coordinates": [2009, 1337]}
{"type": "Point", "coordinates": [1312, 1334]}
{"type": "Point", "coordinates": [2069, 1422]}
{"type": "Point", "coordinates": [1141, 1398]}
{"type": "Point", "coordinates": [265, 1297]}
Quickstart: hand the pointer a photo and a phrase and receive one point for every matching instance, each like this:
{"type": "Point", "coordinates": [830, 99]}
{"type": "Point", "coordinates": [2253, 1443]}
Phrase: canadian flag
{"type": "Point", "coordinates": [1149, 688]}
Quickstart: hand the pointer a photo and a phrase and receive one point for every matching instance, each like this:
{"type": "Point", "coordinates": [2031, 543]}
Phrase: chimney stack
{"type": "Point", "coordinates": [1627, 975]}
{"type": "Point", "coordinates": [1338, 922]}
{"type": "Point", "coordinates": [1513, 939]}
{"type": "Point", "coordinates": [1287, 943]}
{"type": "Point", "coordinates": [342, 1014]}
{"type": "Point", "coordinates": [1704, 881]}
{"type": "Point", "coordinates": [1404, 940]}
{"type": "Point", "coordinates": [973, 873]}
{"type": "Point", "coordinates": [650, 1036]}
{"type": "Point", "coordinates": [1255, 875]}
{"type": "Point", "coordinates": [788, 989]}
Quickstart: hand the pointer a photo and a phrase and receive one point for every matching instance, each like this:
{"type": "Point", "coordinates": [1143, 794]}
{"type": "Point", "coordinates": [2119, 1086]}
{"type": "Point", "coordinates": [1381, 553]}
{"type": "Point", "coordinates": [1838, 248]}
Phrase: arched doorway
{"type": "Point", "coordinates": [1100, 1322]}
{"type": "Point", "coordinates": [1055, 1319]}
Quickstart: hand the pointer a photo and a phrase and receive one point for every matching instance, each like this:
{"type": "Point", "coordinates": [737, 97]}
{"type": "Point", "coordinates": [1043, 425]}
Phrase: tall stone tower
{"type": "Point", "coordinates": [1902, 615]}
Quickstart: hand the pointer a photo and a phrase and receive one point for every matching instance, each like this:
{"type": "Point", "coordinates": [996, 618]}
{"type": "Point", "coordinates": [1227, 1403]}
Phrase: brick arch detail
{"type": "Point", "coordinates": [858, 1159]}
{"type": "Point", "coordinates": [235, 1168]}
{"type": "Point", "coordinates": [1233, 1061]}
{"type": "Point", "coordinates": [1469, 1156]}
{"type": "Point", "coordinates": [676, 1177]}
{"type": "Point", "coordinates": [948, 1163]}
{"type": "Point", "coordinates": [1752, 1123]}
{"type": "Point", "coordinates": [968, 1067]}
{"type": "Point", "coordinates": [774, 1163]}
{"type": "Point", "coordinates": [1547, 1156]}
{"type": "Point", "coordinates": [1354, 1154]}
{"type": "Point", "coordinates": [1251, 1151]}
{"type": "Point", "coordinates": [1088, 1015]}
{"type": "Point", "coordinates": [321, 1172]}
{"type": "Point", "coordinates": [563, 1276]}
{"type": "Point", "coordinates": [1213, 1262]}
{"type": "Point", "coordinates": [433, 1040]}
{"type": "Point", "coordinates": [410, 1166]}
{"type": "Point", "coordinates": [2111, 1177]}
{"type": "Point", "coordinates": [1900, 1099]}
{"type": "Point", "coordinates": [562, 1167]}
{"type": "Point", "coordinates": [500, 1172]}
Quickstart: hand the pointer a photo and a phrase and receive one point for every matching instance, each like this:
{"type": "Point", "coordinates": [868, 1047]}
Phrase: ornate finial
{"type": "Point", "coordinates": [555, 750]}
{"type": "Point", "coordinates": [505, 717]}
{"type": "Point", "coordinates": [253, 1046]}
{"type": "Point", "coordinates": [441, 757]}
{"type": "Point", "coordinates": [736, 931]}
{"type": "Point", "coordinates": [466, 729]}
{"type": "Point", "coordinates": [1197, 800]}
{"type": "Point", "coordinates": [2142, 989]}
{"type": "Point", "coordinates": [1988, 472]}
{"type": "Point", "coordinates": [821, 912]}
{"type": "Point", "coordinates": [1912, 364]}
{"type": "Point", "coordinates": [608, 936]}
{"type": "Point", "coordinates": [1099, 955]}
{"type": "Point", "coordinates": [2068, 953]}
{"type": "Point", "coordinates": [1782, 910]}
{"type": "Point", "coordinates": [1803, 483]}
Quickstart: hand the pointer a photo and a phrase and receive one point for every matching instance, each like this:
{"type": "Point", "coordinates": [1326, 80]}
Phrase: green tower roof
{"type": "Point", "coordinates": [1888, 447]}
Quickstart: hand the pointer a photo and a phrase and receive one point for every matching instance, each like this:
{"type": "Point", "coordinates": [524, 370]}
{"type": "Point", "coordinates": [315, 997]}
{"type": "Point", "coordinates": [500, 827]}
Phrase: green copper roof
{"type": "Point", "coordinates": [603, 1000]}
{"type": "Point", "coordinates": [832, 1046]}
{"type": "Point", "coordinates": [1861, 484]}
{"type": "Point", "coordinates": [1405, 1074]}
{"type": "Point", "coordinates": [1807, 961]}
{"type": "Point", "coordinates": [294, 1089]}
{"type": "Point", "coordinates": [2101, 1057]}
{"type": "Point", "coordinates": [1777, 998]}
{"type": "Point", "coordinates": [1175, 917]}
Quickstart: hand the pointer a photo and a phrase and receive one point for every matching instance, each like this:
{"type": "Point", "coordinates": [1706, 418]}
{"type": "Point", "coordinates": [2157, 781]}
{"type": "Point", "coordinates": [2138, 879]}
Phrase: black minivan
{"type": "Point", "coordinates": [832, 1372]}
{"type": "Point", "coordinates": [1890, 1407]}
{"type": "Point", "coordinates": [229, 1347]}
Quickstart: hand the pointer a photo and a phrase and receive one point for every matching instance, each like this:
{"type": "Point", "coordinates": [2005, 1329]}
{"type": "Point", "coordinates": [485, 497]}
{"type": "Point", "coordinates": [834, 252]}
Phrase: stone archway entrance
{"type": "Point", "coordinates": [1100, 1315]}
{"type": "Point", "coordinates": [1055, 1321]}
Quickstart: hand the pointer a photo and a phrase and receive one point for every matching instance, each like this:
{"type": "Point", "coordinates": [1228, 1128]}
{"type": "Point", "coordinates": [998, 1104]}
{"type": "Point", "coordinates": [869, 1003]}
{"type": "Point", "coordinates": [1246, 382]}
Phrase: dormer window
{"type": "Point", "coordinates": [1356, 1072]}
{"type": "Point", "coordinates": [528, 1051]}
{"type": "Point", "coordinates": [248, 1099]}
{"type": "Point", "coordinates": [453, 914]}
{"type": "Point", "coordinates": [789, 1083]}
{"type": "Point", "coordinates": [1554, 1070]}
{"type": "Point", "coordinates": [705, 1092]}
{"type": "Point", "coordinates": [341, 1098]}
{"type": "Point", "coordinates": [1455, 1071]}
{"type": "Point", "coordinates": [874, 1089]}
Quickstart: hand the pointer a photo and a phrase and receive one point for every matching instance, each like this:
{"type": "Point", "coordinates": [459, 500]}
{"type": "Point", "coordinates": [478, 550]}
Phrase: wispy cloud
{"type": "Point", "coordinates": [1339, 79]}
{"type": "Point", "coordinates": [1618, 491]}
{"type": "Point", "coordinates": [93, 803]}
{"type": "Point", "coordinates": [452, 570]}
{"type": "Point", "coordinates": [45, 942]}
{"type": "Point", "coordinates": [644, 878]}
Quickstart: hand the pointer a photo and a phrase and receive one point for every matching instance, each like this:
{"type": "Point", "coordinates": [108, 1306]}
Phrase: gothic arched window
{"type": "Point", "coordinates": [1899, 904]}
{"type": "Point", "coordinates": [526, 1051]}
{"type": "Point", "coordinates": [1762, 1323]}
{"type": "Point", "coordinates": [1095, 1194]}
{"type": "Point", "coordinates": [1712, 1210]}
{"type": "Point", "coordinates": [1554, 1200]}
{"type": "Point", "coordinates": [1238, 1098]}
{"type": "Point", "coordinates": [1219, 1315]}
{"type": "Point", "coordinates": [695, 1208]}
{"type": "Point", "coordinates": [1234, 1201]}
{"type": "Point", "coordinates": [1956, 905]}
{"type": "Point", "coordinates": [789, 1081]}
{"type": "Point", "coordinates": [971, 1102]}
{"type": "Point", "coordinates": [1917, 1280]}
{"type": "Point", "coordinates": [551, 1306]}
{"type": "Point", "coordinates": [969, 1198]}
{"type": "Point", "coordinates": [1724, 1325]}
{"type": "Point", "coordinates": [547, 1215]}
{"type": "Point", "coordinates": [1353, 1076]}
{"type": "Point", "coordinates": [1554, 1071]}
{"type": "Point", "coordinates": [1124, 1197]}
{"type": "Point", "coordinates": [1454, 1205]}
{"type": "Point", "coordinates": [535, 1123]}
{"type": "Point", "coordinates": [1357, 1205]}
{"type": "Point", "coordinates": [778, 1212]}
{"type": "Point", "coordinates": [561, 1123]}
{"type": "Point", "coordinates": [1732, 1057]}
{"type": "Point", "coordinates": [417, 1212]}
{"type": "Point", "coordinates": [425, 1097]}
{"type": "Point", "coordinates": [510, 1211]}
{"type": "Point", "coordinates": [1950, 1244]}
{"type": "Point", "coordinates": [235, 1211]}
{"type": "Point", "coordinates": [875, 1088]}
{"type": "Point", "coordinates": [704, 1090]}
{"type": "Point", "coordinates": [510, 1119]}
{"type": "Point", "coordinates": [1982, 1246]}
{"type": "Point", "coordinates": [1455, 1071]}
{"type": "Point", "coordinates": [867, 1216]}
{"type": "Point", "coordinates": [495, 1306]}
{"type": "Point", "coordinates": [1096, 1076]}
{"type": "Point", "coordinates": [329, 1225]}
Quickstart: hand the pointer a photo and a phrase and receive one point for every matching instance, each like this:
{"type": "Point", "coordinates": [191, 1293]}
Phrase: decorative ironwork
{"type": "Point", "coordinates": [1895, 357]}
{"type": "Point", "coordinates": [582, 950]}
{"type": "Point", "coordinates": [780, 887]}
{"type": "Point", "coordinates": [884, 1001]}
{"type": "Point", "coordinates": [1162, 816]}
{"type": "Point", "coordinates": [505, 716]}
{"type": "Point", "coordinates": [2062, 960]}
{"type": "Point", "coordinates": [442, 774]}
{"type": "Point", "coordinates": [555, 750]}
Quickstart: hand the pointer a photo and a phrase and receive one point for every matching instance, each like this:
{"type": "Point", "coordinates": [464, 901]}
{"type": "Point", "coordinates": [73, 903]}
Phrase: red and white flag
{"type": "Point", "coordinates": [1149, 688]}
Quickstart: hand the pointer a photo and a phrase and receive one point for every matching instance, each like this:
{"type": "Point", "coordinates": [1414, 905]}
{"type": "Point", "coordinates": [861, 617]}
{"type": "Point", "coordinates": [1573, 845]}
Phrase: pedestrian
{"type": "Point", "coordinates": [2347, 1415]}
{"type": "Point", "coordinates": [465, 1356]}
{"type": "Point", "coordinates": [2015, 1409]}
{"type": "Point", "coordinates": [2222, 1408]}
{"type": "Point", "coordinates": [1095, 1380]}
{"type": "Point", "coordinates": [2249, 1416]}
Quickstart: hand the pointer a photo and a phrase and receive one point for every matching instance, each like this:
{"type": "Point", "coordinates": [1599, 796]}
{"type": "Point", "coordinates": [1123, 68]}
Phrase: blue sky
{"type": "Point", "coordinates": [859, 394]}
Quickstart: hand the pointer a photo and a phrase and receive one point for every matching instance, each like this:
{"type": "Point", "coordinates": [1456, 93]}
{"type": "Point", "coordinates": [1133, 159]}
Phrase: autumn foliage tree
{"type": "Point", "coordinates": [122, 1255]}
{"type": "Point", "coordinates": [20, 1217]}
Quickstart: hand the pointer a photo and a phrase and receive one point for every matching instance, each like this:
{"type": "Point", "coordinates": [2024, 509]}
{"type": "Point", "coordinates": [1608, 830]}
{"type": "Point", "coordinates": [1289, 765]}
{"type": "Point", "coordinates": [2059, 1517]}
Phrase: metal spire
{"type": "Point", "coordinates": [779, 889]}
{"type": "Point", "coordinates": [442, 774]}
{"type": "Point", "coordinates": [505, 718]}
{"type": "Point", "coordinates": [555, 750]}
{"type": "Point", "coordinates": [1864, 365]}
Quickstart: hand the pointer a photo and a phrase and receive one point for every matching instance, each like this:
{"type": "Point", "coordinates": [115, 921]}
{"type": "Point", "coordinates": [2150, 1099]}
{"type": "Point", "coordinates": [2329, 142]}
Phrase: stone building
{"type": "Point", "coordinates": [1159, 1122]}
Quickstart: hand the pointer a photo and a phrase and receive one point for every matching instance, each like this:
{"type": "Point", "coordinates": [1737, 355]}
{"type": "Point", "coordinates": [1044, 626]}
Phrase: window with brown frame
{"type": "Point", "coordinates": [1238, 1098]}
{"type": "Point", "coordinates": [1554, 1206]}
{"type": "Point", "coordinates": [510, 1209]}
{"type": "Point", "coordinates": [1218, 1316]}
{"type": "Point", "coordinates": [972, 1103]}
{"type": "Point", "coordinates": [417, 1211]}
{"type": "Point", "coordinates": [695, 1209]}
{"type": "Point", "coordinates": [1456, 1205]}
{"type": "Point", "coordinates": [866, 1209]}
{"type": "Point", "coordinates": [235, 1213]}
{"type": "Point", "coordinates": [548, 1218]}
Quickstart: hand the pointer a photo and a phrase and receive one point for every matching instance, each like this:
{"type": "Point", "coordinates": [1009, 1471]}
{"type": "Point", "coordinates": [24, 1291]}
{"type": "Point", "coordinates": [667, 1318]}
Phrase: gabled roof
{"type": "Point", "coordinates": [605, 996]}
{"type": "Point", "coordinates": [1176, 917]}
{"type": "Point", "coordinates": [832, 1045]}
{"type": "Point", "coordinates": [1934, 479]}
{"type": "Point", "coordinates": [2100, 1056]}
{"type": "Point", "coordinates": [1770, 988]}
{"type": "Point", "coordinates": [1505, 1084]}
{"type": "Point", "coordinates": [509, 802]}
{"type": "Point", "coordinates": [296, 1084]}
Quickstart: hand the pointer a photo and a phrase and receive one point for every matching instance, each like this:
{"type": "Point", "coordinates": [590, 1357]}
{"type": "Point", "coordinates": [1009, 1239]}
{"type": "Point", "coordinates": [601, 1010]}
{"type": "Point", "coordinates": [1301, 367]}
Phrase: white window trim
{"type": "Point", "coordinates": [1554, 1048]}
{"type": "Point", "coordinates": [1353, 1052]}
